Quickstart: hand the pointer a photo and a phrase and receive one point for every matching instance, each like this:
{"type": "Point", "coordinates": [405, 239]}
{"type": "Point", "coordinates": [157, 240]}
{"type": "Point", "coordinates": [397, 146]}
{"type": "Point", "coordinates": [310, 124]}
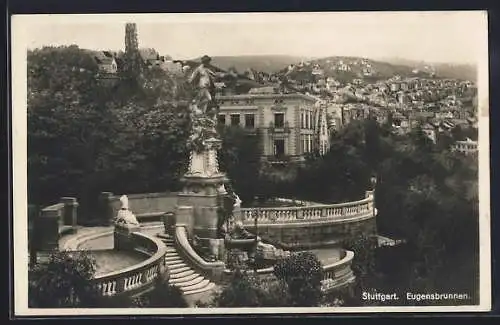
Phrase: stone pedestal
{"type": "Point", "coordinates": [218, 249]}
{"type": "Point", "coordinates": [169, 221]}
{"type": "Point", "coordinates": [123, 236]}
{"type": "Point", "coordinates": [105, 210]}
{"type": "Point", "coordinates": [202, 184]}
{"type": "Point", "coordinates": [46, 231]}
{"type": "Point", "coordinates": [70, 211]}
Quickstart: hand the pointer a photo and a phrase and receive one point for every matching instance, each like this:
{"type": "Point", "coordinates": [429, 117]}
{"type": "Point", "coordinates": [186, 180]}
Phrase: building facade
{"type": "Point", "coordinates": [286, 122]}
{"type": "Point", "coordinates": [467, 146]}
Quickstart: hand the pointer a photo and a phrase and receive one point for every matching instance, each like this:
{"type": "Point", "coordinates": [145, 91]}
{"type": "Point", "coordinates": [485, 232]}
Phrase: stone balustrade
{"type": "Point", "coordinates": [338, 274]}
{"type": "Point", "coordinates": [211, 270]}
{"type": "Point", "coordinates": [137, 278]}
{"type": "Point", "coordinates": [310, 213]}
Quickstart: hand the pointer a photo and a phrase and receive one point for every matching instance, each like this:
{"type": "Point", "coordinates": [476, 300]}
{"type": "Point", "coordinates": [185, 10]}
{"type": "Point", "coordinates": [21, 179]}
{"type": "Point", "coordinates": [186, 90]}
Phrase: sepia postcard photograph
{"type": "Point", "coordinates": [250, 163]}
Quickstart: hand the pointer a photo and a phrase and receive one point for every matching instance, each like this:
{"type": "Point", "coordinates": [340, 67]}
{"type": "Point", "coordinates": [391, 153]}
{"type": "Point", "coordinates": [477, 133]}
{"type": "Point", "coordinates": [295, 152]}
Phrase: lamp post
{"type": "Point", "coordinates": [256, 216]}
{"type": "Point", "coordinates": [373, 181]}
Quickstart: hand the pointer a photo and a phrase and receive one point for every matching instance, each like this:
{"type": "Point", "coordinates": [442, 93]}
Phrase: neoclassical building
{"type": "Point", "coordinates": [290, 124]}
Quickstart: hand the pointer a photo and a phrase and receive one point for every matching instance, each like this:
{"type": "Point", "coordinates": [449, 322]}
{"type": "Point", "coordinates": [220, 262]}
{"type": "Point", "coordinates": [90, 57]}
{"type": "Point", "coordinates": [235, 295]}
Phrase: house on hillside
{"type": "Point", "coordinates": [430, 131]}
{"type": "Point", "coordinates": [467, 146]}
{"type": "Point", "coordinates": [173, 67]}
{"type": "Point", "coordinates": [150, 56]}
{"type": "Point", "coordinates": [106, 61]}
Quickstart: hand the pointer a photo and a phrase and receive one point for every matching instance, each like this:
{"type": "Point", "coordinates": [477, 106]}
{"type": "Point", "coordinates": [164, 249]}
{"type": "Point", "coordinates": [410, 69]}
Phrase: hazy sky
{"type": "Point", "coordinates": [430, 36]}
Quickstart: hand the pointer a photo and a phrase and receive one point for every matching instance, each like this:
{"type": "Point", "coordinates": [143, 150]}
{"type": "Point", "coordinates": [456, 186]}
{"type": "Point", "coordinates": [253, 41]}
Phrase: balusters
{"type": "Point", "coordinates": [107, 288]}
{"type": "Point", "coordinates": [133, 281]}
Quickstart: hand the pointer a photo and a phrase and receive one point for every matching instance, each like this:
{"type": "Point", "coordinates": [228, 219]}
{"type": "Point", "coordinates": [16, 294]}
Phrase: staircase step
{"type": "Point", "coordinates": [210, 286]}
{"type": "Point", "coordinates": [171, 250]}
{"type": "Point", "coordinates": [179, 269]}
{"type": "Point", "coordinates": [189, 283]}
{"type": "Point", "coordinates": [173, 258]}
{"type": "Point", "coordinates": [181, 274]}
{"type": "Point", "coordinates": [163, 235]}
{"type": "Point", "coordinates": [170, 254]}
{"type": "Point", "coordinates": [176, 265]}
{"type": "Point", "coordinates": [198, 286]}
{"type": "Point", "coordinates": [181, 280]}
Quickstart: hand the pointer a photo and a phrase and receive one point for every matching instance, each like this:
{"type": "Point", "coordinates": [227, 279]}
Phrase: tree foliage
{"type": "Point", "coordinates": [240, 159]}
{"type": "Point", "coordinates": [302, 272]}
{"type": "Point", "coordinates": [87, 135]}
{"type": "Point", "coordinates": [65, 281]}
{"type": "Point", "coordinates": [246, 290]}
{"type": "Point", "coordinates": [163, 295]}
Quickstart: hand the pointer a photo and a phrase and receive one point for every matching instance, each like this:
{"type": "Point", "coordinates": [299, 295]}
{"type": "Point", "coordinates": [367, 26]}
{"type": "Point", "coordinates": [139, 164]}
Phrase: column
{"type": "Point", "coordinates": [106, 210]}
{"type": "Point", "coordinates": [70, 211]}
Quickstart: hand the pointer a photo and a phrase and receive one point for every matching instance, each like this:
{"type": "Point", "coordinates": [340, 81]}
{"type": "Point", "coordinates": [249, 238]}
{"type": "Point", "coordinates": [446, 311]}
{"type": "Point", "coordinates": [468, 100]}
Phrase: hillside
{"type": "Point", "coordinates": [345, 69]}
{"type": "Point", "coordinates": [262, 63]}
{"type": "Point", "coordinates": [443, 70]}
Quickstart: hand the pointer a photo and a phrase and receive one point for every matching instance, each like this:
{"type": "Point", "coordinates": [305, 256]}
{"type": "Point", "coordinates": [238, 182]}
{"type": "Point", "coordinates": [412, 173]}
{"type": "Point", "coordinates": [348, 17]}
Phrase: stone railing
{"type": "Point", "coordinates": [338, 274]}
{"type": "Point", "coordinates": [136, 278]}
{"type": "Point", "coordinates": [310, 213]}
{"type": "Point", "coordinates": [211, 270]}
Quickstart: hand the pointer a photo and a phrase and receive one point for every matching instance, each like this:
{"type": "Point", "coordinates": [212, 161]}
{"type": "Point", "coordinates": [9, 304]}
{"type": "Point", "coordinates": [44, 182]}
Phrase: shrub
{"type": "Point", "coordinates": [246, 290]}
{"type": "Point", "coordinates": [163, 295]}
{"type": "Point", "coordinates": [302, 272]}
{"type": "Point", "coordinates": [65, 281]}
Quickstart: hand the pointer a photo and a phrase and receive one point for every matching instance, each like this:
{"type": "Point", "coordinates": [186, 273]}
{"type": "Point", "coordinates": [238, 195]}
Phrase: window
{"type": "Point", "coordinates": [249, 121]}
{"type": "Point", "coordinates": [279, 147]}
{"type": "Point", "coordinates": [235, 119]}
{"type": "Point", "coordinates": [279, 120]}
{"type": "Point", "coordinates": [302, 120]}
{"type": "Point", "coordinates": [307, 120]}
{"type": "Point", "coordinates": [304, 144]}
{"type": "Point", "coordinates": [222, 119]}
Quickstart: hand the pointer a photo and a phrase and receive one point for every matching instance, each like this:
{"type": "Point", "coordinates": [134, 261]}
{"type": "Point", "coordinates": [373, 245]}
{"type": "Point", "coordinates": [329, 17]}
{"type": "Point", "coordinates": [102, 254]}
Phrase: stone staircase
{"type": "Point", "coordinates": [181, 274]}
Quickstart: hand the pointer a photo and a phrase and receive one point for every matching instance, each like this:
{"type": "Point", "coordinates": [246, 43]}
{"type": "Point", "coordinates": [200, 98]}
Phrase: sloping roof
{"type": "Point", "coordinates": [103, 57]}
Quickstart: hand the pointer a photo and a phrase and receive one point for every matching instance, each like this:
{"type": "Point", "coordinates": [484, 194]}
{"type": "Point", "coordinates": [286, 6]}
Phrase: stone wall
{"type": "Point", "coordinates": [315, 234]}
{"type": "Point", "coordinates": [146, 206]}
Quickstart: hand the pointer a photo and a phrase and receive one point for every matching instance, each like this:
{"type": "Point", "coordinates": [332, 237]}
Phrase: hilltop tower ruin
{"type": "Point", "coordinates": [132, 59]}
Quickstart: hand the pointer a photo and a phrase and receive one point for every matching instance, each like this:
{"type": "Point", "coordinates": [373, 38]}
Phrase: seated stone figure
{"type": "Point", "coordinates": [270, 252]}
{"type": "Point", "coordinates": [239, 232]}
{"type": "Point", "coordinates": [124, 215]}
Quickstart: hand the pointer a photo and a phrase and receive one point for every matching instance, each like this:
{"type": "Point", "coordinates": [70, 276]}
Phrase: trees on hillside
{"type": "Point", "coordinates": [426, 194]}
{"type": "Point", "coordinates": [87, 136]}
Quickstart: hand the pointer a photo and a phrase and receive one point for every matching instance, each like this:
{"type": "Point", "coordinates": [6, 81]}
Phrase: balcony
{"type": "Point", "coordinates": [282, 129]}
